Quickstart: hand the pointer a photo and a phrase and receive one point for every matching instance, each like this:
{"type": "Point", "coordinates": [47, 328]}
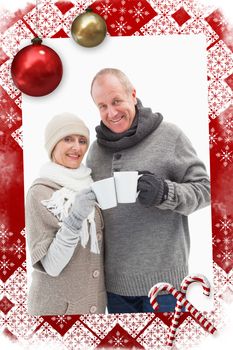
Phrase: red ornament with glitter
{"type": "Point", "coordinates": [36, 69]}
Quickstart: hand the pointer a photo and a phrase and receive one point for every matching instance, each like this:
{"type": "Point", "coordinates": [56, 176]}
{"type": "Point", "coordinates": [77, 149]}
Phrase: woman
{"type": "Point", "coordinates": [64, 228]}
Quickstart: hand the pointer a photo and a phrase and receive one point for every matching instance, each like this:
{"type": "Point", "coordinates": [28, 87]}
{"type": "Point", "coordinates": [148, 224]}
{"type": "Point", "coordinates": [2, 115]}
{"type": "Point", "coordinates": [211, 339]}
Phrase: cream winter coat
{"type": "Point", "coordinates": [79, 289]}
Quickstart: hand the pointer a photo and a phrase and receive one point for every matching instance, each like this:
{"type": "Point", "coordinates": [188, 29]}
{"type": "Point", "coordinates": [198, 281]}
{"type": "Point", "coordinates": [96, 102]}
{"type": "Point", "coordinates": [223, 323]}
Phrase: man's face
{"type": "Point", "coordinates": [115, 104]}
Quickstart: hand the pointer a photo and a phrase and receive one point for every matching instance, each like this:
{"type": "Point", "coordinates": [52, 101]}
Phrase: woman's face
{"type": "Point", "coordinates": [70, 151]}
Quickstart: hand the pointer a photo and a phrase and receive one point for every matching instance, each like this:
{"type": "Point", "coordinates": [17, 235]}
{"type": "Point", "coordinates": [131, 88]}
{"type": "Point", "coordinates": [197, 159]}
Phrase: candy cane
{"type": "Point", "coordinates": [184, 286]}
{"type": "Point", "coordinates": [196, 278]}
{"type": "Point", "coordinates": [181, 298]}
{"type": "Point", "coordinates": [156, 289]}
{"type": "Point", "coordinates": [174, 324]}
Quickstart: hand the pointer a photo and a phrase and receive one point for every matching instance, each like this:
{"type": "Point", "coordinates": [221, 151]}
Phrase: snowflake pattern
{"type": "Point", "coordinates": [214, 138]}
{"type": "Point", "coordinates": [152, 17]}
{"type": "Point", "coordinates": [229, 124]}
{"type": "Point", "coordinates": [45, 21]}
{"type": "Point", "coordinates": [215, 240]}
{"type": "Point", "coordinates": [155, 335]}
{"type": "Point", "coordinates": [18, 248]}
{"type": "Point", "coordinates": [18, 136]}
{"type": "Point", "coordinates": [118, 341]}
{"type": "Point", "coordinates": [81, 5]}
{"type": "Point", "coordinates": [6, 81]}
{"type": "Point", "coordinates": [226, 122]}
{"type": "Point", "coordinates": [198, 26]}
{"type": "Point", "coordinates": [10, 118]}
{"type": "Point", "coordinates": [225, 225]}
{"type": "Point", "coordinates": [160, 25]}
{"type": "Point", "coordinates": [227, 258]}
{"type": "Point", "coordinates": [13, 37]}
{"type": "Point", "coordinates": [5, 264]}
{"type": "Point", "coordinates": [222, 282]}
{"type": "Point", "coordinates": [4, 234]}
{"type": "Point", "coordinates": [135, 323]}
{"type": "Point", "coordinates": [195, 332]}
{"type": "Point", "coordinates": [107, 9]}
{"type": "Point", "coordinates": [124, 17]}
{"type": "Point", "coordinates": [219, 96]}
{"type": "Point", "coordinates": [138, 12]}
{"type": "Point", "coordinates": [219, 61]}
{"type": "Point", "coordinates": [225, 155]}
{"type": "Point", "coordinates": [121, 26]}
{"type": "Point", "coordinates": [100, 324]}
{"type": "Point", "coordinates": [61, 320]}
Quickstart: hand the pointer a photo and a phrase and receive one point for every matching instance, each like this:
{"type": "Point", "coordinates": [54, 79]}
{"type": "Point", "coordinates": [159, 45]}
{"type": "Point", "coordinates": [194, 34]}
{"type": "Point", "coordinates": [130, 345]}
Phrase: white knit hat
{"type": "Point", "coordinates": [62, 125]}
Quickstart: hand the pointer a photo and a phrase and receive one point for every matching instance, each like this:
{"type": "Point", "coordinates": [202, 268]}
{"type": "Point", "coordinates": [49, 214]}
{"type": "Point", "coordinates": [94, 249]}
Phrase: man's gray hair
{"type": "Point", "coordinates": [124, 80]}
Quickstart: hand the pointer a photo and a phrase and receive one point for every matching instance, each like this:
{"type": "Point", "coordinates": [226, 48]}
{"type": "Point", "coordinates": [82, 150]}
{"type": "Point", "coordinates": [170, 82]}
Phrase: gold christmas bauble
{"type": "Point", "coordinates": [88, 29]}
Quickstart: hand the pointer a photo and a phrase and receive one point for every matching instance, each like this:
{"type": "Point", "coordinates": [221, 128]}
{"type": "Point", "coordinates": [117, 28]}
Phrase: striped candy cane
{"type": "Point", "coordinates": [196, 278]}
{"type": "Point", "coordinates": [174, 324]}
{"type": "Point", "coordinates": [159, 287]}
{"type": "Point", "coordinates": [184, 286]}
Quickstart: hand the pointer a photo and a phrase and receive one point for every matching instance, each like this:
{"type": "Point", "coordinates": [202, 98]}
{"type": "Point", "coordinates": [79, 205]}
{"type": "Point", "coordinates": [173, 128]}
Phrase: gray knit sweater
{"type": "Point", "coordinates": [144, 246]}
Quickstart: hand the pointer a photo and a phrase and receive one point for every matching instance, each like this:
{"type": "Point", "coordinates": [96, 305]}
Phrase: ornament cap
{"type": "Point", "coordinates": [36, 41]}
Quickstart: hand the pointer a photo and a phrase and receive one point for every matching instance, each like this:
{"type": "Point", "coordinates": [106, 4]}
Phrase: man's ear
{"type": "Point", "coordinates": [134, 95]}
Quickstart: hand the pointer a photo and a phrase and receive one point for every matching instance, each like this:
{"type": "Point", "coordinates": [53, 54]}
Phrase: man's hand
{"type": "Point", "coordinates": [153, 189]}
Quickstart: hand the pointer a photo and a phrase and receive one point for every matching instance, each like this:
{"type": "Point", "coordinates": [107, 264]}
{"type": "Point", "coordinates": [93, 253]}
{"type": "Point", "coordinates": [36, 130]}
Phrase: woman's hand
{"type": "Point", "coordinates": [83, 205]}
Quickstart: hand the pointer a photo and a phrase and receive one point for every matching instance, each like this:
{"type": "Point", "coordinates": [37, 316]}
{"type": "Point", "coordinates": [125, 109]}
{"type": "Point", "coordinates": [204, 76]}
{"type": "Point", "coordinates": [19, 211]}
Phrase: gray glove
{"type": "Point", "coordinates": [83, 205]}
{"type": "Point", "coordinates": [153, 189]}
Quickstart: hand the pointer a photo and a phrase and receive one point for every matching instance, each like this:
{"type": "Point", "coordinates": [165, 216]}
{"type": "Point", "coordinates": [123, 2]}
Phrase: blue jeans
{"type": "Point", "coordinates": [123, 304]}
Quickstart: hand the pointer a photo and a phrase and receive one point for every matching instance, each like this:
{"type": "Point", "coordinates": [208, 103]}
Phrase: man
{"type": "Point", "coordinates": [148, 241]}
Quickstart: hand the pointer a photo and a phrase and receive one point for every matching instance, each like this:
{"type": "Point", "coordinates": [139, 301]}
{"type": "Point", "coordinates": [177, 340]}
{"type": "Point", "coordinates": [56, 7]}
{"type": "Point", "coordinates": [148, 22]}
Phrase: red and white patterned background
{"type": "Point", "coordinates": [125, 18]}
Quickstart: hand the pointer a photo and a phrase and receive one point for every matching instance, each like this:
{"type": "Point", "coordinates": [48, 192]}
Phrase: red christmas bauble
{"type": "Point", "coordinates": [36, 69]}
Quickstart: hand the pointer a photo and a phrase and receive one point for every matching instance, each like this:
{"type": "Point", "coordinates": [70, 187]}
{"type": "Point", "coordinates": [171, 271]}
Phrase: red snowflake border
{"type": "Point", "coordinates": [123, 18]}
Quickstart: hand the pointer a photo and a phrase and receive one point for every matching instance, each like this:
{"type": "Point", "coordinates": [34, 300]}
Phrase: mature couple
{"type": "Point", "coordinates": [143, 243]}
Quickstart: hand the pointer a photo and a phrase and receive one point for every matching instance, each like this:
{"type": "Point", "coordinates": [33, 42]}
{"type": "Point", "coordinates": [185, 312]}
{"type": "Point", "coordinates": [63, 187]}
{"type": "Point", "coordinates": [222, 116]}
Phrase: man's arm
{"type": "Point", "coordinates": [187, 190]}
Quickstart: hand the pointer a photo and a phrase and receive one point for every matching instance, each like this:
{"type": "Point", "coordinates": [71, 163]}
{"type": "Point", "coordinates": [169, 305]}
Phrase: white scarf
{"type": "Point", "coordinates": [72, 182]}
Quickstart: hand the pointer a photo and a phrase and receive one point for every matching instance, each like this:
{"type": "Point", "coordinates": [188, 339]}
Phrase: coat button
{"type": "Point", "coordinates": [117, 156]}
{"type": "Point", "coordinates": [93, 309]}
{"type": "Point", "coordinates": [96, 273]}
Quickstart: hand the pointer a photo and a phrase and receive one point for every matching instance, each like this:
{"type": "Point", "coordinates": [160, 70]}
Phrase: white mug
{"type": "Point", "coordinates": [105, 193]}
{"type": "Point", "coordinates": [126, 186]}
